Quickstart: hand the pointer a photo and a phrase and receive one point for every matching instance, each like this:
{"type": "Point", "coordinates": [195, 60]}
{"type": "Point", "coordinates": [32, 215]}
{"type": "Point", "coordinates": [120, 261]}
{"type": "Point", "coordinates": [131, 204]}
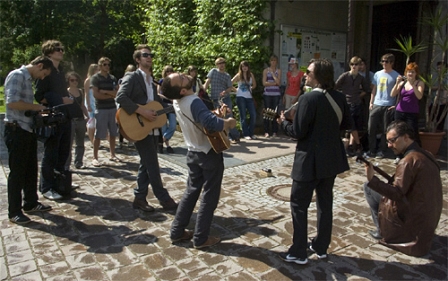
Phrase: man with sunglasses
{"type": "Point", "coordinates": [52, 91]}
{"type": "Point", "coordinates": [354, 86]}
{"type": "Point", "coordinates": [205, 166]}
{"type": "Point", "coordinates": [138, 88]}
{"type": "Point", "coordinates": [381, 103]}
{"type": "Point", "coordinates": [321, 115]}
{"type": "Point", "coordinates": [406, 211]}
{"type": "Point", "coordinates": [105, 87]}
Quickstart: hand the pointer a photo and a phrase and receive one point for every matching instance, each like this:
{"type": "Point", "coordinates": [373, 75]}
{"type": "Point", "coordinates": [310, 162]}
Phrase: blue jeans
{"type": "Point", "coordinates": [233, 133]}
{"type": "Point", "coordinates": [243, 105]}
{"type": "Point", "coordinates": [373, 199]}
{"type": "Point", "coordinates": [168, 130]}
{"type": "Point", "coordinates": [272, 103]}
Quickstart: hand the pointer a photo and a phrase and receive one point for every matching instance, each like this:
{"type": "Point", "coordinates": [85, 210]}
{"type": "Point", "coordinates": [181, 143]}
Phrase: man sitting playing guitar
{"type": "Point", "coordinates": [205, 165]}
{"type": "Point", "coordinates": [137, 88]}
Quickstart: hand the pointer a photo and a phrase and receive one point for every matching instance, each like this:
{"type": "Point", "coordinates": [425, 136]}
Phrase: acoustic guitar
{"type": "Point", "coordinates": [390, 179]}
{"type": "Point", "coordinates": [271, 114]}
{"type": "Point", "coordinates": [218, 140]}
{"type": "Point", "coordinates": [134, 127]}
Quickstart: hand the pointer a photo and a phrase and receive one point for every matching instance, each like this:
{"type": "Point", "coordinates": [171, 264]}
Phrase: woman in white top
{"type": "Point", "coordinates": [244, 99]}
{"type": "Point", "coordinates": [90, 101]}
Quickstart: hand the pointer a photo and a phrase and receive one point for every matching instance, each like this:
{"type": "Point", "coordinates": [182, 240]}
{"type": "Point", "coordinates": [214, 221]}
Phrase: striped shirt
{"type": "Point", "coordinates": [18, 87]}
{"type": "Point", "coordinates": [271, 90]}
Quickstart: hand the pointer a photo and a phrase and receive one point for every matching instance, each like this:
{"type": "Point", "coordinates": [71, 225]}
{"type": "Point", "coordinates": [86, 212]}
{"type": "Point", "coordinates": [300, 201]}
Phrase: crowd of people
{"type": "Point", "coordinates": [405, 210]}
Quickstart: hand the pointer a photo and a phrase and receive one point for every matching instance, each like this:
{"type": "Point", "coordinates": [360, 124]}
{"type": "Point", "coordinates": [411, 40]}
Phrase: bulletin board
{"type": "Point", "coordinates": [307, 43]}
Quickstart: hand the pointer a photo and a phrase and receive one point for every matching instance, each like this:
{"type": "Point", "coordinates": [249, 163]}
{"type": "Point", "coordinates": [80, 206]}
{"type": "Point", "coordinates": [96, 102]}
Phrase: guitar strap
{"type": "Point", "coordinates": [196, 125]}
{"type": "Point", "coordinates": [335, 106]}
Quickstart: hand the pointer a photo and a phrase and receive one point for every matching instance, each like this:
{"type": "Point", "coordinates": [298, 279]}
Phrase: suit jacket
{"type": "Point", "coordinates": [411, 207]}
{"type": "Point", "coordinates": [132, 92]}
{"type": "Point", "coordinates": [319, 152]}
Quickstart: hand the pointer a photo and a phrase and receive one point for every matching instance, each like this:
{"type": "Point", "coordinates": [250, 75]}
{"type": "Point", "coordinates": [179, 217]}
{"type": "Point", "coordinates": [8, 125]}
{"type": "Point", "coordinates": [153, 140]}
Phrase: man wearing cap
{"type": "Point", "coordinates": [293, 81]}
{"type": "Point", "coordinates": [221, 85]}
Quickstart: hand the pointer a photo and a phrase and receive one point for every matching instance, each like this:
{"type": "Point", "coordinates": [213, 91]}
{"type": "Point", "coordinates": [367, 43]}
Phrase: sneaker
{"type": "Point", "coordinates": [397, 160]}
{"type": "Point", "coordinates": [319, 256]}
{"type": "Point", "coordinates": [369, 154]}
{"type": "Point", "coordinates": [266, 135]}
{"type": "Point", "coordinates": [52, 195]}
{"type": "Point", "coordinates": [212, 240]}
{"type": "Point", "coordinates": [288, 258]}
{"type": "Point", "coordinates": [379, 155]}
{"type": "Point", "coordinates": [96, 163]}
{"type": "Point", "coordinates": [247, 138]}
{"type": "Point", "coordinates": [20, 219]}
{"type": "Point", "coordinates": [274, 135]}
{"type": "Point", "coordinates": [169, 149]}
{"type": "Point", "coordinates": [253, 137]}
{"type": "Point", "coordinates": [233, 142]}
{"type": "Point", "coordinates": [38, 208]}
{"type": "Point", "coordinates": [187, 235]}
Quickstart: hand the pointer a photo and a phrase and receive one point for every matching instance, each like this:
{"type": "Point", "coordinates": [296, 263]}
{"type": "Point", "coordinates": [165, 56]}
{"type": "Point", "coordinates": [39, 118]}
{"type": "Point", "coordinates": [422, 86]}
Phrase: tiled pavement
{"type": "Point", "coordinates": [98, 236]}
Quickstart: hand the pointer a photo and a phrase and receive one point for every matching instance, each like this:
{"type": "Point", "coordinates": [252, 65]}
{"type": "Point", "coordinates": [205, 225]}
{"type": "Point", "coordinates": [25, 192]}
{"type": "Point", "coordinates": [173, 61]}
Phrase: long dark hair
{"type": "Point", "coordinates": [241, 73]}
{"type": "Point", "coordinates": [324, 73]}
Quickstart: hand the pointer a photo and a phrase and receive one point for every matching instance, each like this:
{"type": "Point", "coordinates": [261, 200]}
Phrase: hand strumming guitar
{"type": "Point", "coordinates": [369, 171]}
{"type": "Point", "coordinates": [149, 114]}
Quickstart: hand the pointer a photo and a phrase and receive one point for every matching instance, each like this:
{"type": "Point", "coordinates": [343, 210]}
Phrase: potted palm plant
{"type": "Point", "coordinates": [435, 110]}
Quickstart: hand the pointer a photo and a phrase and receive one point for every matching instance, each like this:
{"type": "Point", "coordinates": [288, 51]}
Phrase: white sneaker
{"type": "Point", "coordinates": [52, 195]}
{"type": "Point", "coordinates": [247, 138]}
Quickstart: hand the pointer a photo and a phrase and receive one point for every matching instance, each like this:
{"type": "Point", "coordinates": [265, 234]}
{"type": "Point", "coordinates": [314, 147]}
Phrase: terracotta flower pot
{"type": "Point", "coordinates": [431, 141]}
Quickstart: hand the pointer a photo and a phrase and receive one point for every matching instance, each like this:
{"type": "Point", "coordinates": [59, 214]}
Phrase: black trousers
{"type": "Point", "coordinates": [301, 195]}
{"type": "Point", "coordinates": [22, 152]}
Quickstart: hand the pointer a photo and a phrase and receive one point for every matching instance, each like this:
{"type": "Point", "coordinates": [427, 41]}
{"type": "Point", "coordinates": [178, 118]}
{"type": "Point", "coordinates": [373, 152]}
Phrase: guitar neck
{"type": "Point", "coordinates": [165, 110]}
{"type": "Point", "coordinates": [376, 168]}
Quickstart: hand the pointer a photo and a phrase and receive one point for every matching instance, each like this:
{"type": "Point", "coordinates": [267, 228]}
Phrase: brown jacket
{"type": "Point", "coordinates": [410, 209]}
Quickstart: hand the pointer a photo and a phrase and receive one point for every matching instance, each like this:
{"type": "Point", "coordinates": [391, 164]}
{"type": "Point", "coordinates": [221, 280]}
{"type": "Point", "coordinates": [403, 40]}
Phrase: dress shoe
{"type": "Point", "coordinates": [375, 234]}
{"type": "Point", "coordinates": [142, 205]}
{"type": "Point", "coordinates": [169, 205]}
{"type": "Point", "coordinates": [212, 240]}
{"type": "Point", "coordinates": [187, 235]}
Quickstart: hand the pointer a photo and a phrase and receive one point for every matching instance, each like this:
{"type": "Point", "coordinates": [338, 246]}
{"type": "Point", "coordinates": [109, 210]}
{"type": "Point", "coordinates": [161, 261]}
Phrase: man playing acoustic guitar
{"type": "Point", "coordinates": [406, 210]}
{"type": "Point", "coordinates": [137, 88]}
{"type": "Point", "coordinates": [205, 166]}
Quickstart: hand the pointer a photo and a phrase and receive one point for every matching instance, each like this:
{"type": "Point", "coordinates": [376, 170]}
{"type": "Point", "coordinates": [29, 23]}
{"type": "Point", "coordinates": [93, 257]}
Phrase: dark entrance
{"type": "Point", "coordinates": [389, 22]}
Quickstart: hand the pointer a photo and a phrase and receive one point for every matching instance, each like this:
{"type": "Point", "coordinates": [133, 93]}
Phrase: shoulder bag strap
{"type": "Point", "coordinates": [335, 106]}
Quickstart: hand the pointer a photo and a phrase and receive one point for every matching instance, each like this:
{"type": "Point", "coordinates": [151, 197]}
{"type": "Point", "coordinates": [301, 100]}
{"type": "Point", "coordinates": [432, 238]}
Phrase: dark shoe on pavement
{"type": "Point", "coordinates": [169, 205]}
{"type": "Point", "coordinates": [160, 149]}
{"type": "Point", "coordinates": [169, 149]}
{"type": "Point", "coordinates": [20, 219]}
{"type": "Point", "coordinates": [375, 234]}
{"type": "Point", "coordinates": [212, 240]}
{"type": "Point", "coordinates": [288, 258]}
{"type": "Point", "coordinates": [319, 255]}
{"type": "Point", "coordinates": [38, 208]}
{"type": "Point", "coordinates": [142, 205]}
{"type": "Point", "coordinates": [187, 235]}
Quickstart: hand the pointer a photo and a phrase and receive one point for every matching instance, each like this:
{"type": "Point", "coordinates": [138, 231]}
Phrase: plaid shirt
{"type": "Point", "coordinates": [18, 87]}
{"type": "Point", "coordinates": [219, 81]}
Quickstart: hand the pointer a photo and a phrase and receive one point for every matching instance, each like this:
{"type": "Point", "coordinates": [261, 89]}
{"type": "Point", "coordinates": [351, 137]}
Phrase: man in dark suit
{"type": "Point", "coordinates": [137, 88]}
{"type": "Point", "coordinates": [319, 157]}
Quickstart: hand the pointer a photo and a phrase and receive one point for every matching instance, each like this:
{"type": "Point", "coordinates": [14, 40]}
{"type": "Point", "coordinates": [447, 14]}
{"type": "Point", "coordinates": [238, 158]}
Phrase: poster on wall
{"type": "Point", "coordinates": [308, 43]}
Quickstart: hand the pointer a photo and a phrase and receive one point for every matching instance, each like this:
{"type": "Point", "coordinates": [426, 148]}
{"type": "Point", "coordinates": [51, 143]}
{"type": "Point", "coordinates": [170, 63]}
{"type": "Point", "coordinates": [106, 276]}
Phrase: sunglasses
{"type": "Point", "coordinates": [106, 64]}
{"type": "Point", "coordinates": [73, 80]}
{"type": "Point", "coordinates": [58, 49]}
{"type": "Point", "coordinates": [393, 140]}
{"type": "Point", "coordinates": [384, 61]}
{"type": "Point", "coordinates": [145, 55]}
{"type": "Point", "coordinates": [353, 64]}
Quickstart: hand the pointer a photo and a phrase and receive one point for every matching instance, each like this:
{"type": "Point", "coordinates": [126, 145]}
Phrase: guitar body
{"type": "Point", "coordinates": [134, 127]}
{"type": "Point", "coordinates": [218, 140]}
